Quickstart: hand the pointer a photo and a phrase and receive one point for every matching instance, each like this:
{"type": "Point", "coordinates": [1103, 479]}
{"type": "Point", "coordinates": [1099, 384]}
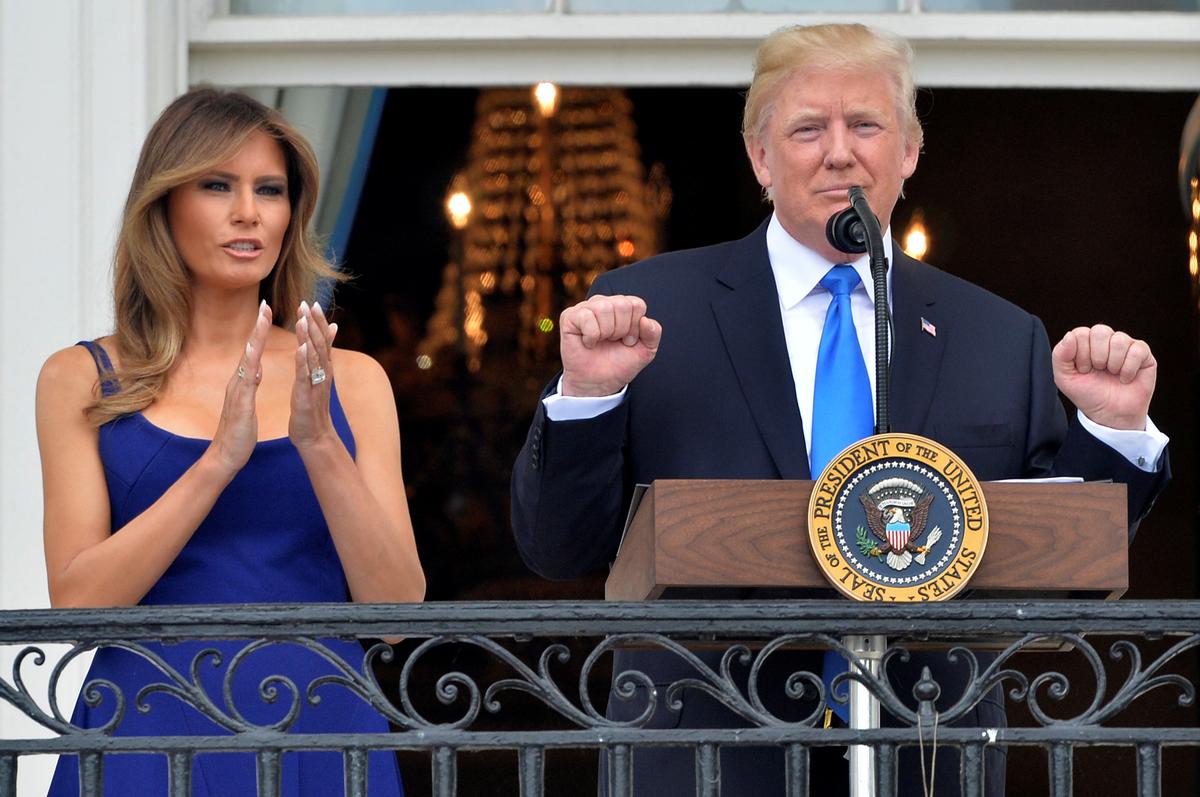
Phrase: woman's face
{"type": "Point", "coordinates": [228, 224]}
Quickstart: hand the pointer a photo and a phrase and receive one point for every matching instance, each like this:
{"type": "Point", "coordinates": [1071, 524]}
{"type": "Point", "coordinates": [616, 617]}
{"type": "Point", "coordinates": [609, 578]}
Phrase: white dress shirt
{"type": "Point", "coordinates": [803, 304]}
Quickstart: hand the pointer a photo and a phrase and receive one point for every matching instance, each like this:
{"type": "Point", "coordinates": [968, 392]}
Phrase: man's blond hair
{"type": "Point", "coordinates": [847, 48]}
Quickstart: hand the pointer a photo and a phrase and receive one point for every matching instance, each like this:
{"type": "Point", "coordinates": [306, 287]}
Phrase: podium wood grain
{"type": "Point", "coordinates": [714, 534]}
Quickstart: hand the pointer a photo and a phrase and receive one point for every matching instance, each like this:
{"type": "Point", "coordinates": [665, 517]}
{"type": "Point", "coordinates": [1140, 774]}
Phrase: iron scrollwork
{"type": "Point", "coordinates": [742, 696]}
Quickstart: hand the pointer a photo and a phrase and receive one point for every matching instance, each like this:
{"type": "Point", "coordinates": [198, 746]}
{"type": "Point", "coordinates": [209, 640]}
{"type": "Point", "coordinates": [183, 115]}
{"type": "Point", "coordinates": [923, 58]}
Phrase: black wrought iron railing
{"type": "Point", "coordinates": [551, 653]}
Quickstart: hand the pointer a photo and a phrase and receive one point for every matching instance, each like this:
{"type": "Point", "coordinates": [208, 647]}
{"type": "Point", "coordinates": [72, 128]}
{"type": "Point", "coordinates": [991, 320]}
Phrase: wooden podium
{"type": "Point", "coordinates": [693, 538]}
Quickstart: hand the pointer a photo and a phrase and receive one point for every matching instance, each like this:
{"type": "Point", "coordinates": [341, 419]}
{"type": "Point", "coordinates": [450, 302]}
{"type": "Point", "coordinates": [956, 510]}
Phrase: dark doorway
{"type": "Point", "coordinates": [1064, 202]}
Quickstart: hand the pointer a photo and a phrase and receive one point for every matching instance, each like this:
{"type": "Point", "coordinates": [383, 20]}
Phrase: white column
{"type": "Point", "coordinates": [82, 83]}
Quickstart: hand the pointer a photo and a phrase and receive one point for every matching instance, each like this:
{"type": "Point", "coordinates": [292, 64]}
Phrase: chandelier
{"type": "Point", "coordinates": [553, 195]}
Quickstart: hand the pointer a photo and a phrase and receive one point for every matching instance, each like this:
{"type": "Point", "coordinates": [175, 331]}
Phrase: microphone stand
{"type": "Point", "coordinates": [856, 230]}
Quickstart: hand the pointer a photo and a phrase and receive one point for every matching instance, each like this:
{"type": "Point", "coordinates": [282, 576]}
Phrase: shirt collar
{"type": "Point", "coordinates": [798, 269]}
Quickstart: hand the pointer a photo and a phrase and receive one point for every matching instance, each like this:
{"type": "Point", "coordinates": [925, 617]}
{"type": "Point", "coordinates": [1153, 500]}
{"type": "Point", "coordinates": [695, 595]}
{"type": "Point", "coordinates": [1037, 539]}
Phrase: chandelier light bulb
{"type": "Point", "coordinates": [916, 238]}
{"type": "Point", "coordinates": [546, 97]}
{"type": "Point", "coordinates": [458, 208]}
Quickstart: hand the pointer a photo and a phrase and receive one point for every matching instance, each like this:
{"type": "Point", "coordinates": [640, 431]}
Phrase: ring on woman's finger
{"type": "Point", "coordinates": [317, 376]}
{"type": "Point", "coordinates": [241, 372]}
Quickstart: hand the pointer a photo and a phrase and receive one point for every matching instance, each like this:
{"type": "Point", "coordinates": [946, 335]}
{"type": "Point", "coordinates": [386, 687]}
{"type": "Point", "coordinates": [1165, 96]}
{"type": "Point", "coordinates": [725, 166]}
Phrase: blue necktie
{"type": "Point", "coordinates": [842, 411]}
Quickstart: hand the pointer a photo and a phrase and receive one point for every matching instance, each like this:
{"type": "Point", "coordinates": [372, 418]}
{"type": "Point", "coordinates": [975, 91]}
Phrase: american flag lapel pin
{"type": "Point", "coordinates": [928, 328]}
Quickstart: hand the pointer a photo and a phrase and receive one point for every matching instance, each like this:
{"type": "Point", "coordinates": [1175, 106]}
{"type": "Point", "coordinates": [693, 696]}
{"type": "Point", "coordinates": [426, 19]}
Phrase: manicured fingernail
{"type": "Point", "coordinates": [262, 306]}
{"type": "Point", "coordinates": [333, 328]}
{"type": "Point", "coordinates": [304, 308]}
{"type": "Point", "coordinates": [316, 307]}
{"type": "Point", "coordinates": [303, 323]}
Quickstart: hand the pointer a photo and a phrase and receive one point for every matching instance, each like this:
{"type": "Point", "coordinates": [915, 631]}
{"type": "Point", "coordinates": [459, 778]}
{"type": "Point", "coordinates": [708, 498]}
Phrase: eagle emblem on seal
{"type": "Point", "coordinates": [897, 512]}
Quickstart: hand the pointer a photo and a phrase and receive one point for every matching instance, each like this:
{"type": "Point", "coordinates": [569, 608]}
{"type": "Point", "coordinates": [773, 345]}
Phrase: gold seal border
{"type": "Point", "coordinates": [822, 507]}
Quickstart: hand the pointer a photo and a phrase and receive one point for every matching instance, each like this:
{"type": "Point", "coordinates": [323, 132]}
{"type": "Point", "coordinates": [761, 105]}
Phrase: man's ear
{"type": "Point", "coordinates": [757, 154]}
{"type": "Point", "coordinates": [912, 154]}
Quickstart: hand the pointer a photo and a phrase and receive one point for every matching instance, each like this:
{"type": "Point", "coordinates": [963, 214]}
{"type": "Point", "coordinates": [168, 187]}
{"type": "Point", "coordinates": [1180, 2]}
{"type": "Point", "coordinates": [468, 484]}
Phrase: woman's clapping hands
{"type": "Point", "coordinates": [310, 421]}
{"type": "Point", "coordinates": [237, 430]}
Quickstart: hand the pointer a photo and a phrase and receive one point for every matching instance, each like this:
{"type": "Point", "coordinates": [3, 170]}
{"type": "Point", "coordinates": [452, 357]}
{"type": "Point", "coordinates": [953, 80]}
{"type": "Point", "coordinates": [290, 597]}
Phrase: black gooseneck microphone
{"type": "Point", "coordinates": [856, 230]}
{"type": "Point", "coordinates": [846, 233]}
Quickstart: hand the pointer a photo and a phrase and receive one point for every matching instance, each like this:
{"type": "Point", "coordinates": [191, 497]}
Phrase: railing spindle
{"type": "Point", "coordinates": [1060, 770]}
{"type": "Point", "coordinates": [885, 770]}
{"type": "Point", "coordinates": [8, 776]}
{"type": "Point", "coordinates": [620, 771]}
{"type": "Point", "coordinates": [180, 765]}
{"type": "Point", "coordinates": [533, 771]}
{"type": "Point", "coordinates": [91, 774]}
{"type": "Point", "coordinates": [795, 770]}
{"type": "Point", "coordinates": [445, 772]}
{"type": "Point", "coordinates": [268, 773]}
{"type": "Point", "coordinates": [972, 770]}
{"type": "Point", "coordinates": [708, 771]}
{"type": "Point", "coordinates": [355, 764]}
{"type": "Point", "coordinates": [1149, 770]}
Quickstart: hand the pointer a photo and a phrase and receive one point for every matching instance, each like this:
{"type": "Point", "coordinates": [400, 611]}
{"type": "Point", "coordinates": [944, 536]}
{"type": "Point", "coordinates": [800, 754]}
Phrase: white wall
{"type": "Point", "coordinates": [1042, 49]}
{"type": "Point", "coordinates": [81, 83]}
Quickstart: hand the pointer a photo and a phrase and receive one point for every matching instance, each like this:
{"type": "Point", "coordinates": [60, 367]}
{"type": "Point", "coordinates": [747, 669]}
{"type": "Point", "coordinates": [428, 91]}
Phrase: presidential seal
{"type": "Point", "coordinates": [896, 517]}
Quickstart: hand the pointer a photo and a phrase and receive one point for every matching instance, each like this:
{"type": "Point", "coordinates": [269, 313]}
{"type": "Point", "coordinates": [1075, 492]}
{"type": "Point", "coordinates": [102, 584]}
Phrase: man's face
{"type": "Point", "coordinates": [827, 131]}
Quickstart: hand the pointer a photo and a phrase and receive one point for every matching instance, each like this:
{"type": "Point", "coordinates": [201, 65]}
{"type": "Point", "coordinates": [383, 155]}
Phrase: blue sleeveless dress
{"type": "Point", "coordinates": [265, 541]}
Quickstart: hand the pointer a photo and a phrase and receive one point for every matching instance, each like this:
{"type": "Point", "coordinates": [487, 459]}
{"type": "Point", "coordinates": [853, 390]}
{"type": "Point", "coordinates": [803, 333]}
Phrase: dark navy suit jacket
{"type": "Point", "coordinates": [719, 402]}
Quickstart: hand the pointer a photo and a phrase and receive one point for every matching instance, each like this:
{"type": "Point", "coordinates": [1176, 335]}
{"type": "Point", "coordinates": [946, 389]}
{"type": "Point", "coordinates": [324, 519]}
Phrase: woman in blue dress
{"type": "Point", "coordinates": [205, 453]}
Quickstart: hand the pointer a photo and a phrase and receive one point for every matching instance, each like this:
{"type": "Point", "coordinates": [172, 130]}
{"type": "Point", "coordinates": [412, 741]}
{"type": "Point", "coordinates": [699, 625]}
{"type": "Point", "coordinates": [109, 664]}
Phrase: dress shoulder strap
{"type": "Point", "coordinates": [340, 423]}
{"type": "Point", "coordinates": [108, 382]}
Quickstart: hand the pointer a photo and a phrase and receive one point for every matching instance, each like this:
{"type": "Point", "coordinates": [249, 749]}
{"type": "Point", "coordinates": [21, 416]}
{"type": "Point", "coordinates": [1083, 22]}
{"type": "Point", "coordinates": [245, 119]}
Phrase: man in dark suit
{"type": "Point", "coordinates": [700, 364]}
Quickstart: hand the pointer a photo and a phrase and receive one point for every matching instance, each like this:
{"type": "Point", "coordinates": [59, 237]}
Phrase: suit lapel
{"type": "Point", "coordinates": [752, 329]}
{"type": "Point", "coordinates": [918, 354]}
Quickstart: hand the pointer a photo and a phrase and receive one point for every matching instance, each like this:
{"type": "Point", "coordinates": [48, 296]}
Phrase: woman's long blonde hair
{"type": "Point", "coordinates": [152, 286]}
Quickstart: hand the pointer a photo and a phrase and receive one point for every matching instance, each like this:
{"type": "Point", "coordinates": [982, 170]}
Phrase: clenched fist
{"type": "Point", "coordinates": [605, 342]}
{"type": "Point", "coordinates": [1108, 375]}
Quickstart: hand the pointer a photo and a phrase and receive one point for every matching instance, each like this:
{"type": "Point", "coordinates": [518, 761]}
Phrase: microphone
{"type": "Point", "coordinates": [856, 230]}
{"type": "Point", "coordinates": [845, 232]}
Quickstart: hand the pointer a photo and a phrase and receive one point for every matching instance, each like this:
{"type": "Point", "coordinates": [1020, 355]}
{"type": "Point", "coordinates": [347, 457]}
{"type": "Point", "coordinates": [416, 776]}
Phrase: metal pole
{"type": "Point", "coordinates": [864, 711]}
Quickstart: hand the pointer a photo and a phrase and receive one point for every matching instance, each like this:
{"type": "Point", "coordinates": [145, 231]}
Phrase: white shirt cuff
{"type": "Point", "coordinates": [1142, 449]}
{"type": "Point", "coordinates": [579, 408]}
